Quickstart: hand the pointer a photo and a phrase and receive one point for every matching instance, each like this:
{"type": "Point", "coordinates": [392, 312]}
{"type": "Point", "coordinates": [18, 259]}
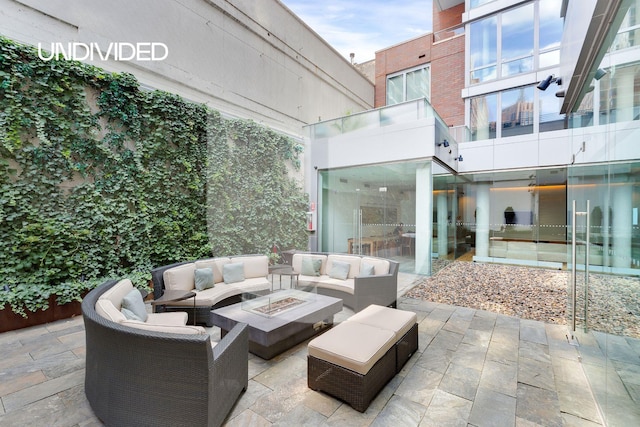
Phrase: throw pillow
{"type": "Point", "coordinates": [310, 266]}
{"type": "Point", "coordinates": [233, 272]}
{"type": "Point", "coordinates": [339, 270]}
{"type": "Point", "coordinates": [133, 302]}
{"type": "Point", "coordinates": [130, 315]}
{"type": "Point", "coordinates": [203, 278]}
{"type": "Point", "coordinates": [367, 269]}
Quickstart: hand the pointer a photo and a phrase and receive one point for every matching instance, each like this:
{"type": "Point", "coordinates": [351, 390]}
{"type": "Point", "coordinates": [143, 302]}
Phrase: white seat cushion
{"type": "Point", "coordinates": [352, 345]}
{"type": "Point", "coordinates": [220, 291]}
{"type": "Point", "coordinates": [171, 329]}
{"type": "Point", "coordinates": [178, 318]}
{"type": "Point", "coordinates": [397, 321]}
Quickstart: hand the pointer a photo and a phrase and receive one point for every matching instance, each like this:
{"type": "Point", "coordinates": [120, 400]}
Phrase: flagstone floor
{"type": "Point", "coordinates": [472, 368]}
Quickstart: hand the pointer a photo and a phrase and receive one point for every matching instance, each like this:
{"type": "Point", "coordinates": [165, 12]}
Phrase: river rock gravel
{"type": "Point", "coordinates": [534, 293]}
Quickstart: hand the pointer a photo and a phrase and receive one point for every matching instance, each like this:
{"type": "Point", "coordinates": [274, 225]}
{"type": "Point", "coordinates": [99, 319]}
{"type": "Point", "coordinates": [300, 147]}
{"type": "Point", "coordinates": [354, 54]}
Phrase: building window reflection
{"type": "Point", "coordinates": [504, 44]}
{"type": "Point", "coordinates": [409, 84]}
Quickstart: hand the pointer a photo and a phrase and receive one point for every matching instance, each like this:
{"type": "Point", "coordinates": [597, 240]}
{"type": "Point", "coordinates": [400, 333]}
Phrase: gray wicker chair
{"type": "Point", "coordinates": [140, 378]}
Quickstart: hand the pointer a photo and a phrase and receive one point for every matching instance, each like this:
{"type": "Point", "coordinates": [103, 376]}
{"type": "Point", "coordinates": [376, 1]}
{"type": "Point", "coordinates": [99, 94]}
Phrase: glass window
{"type": "Point", "coordinates": [549, 111]}
{"type": "Point", "coordinates": [484, 49]}
{"type": "Point", "coordinates": [517, 40]}
{"type": "Point", "coordinates": [517, 111]}
{"type": "Point", "coordinates": [395, 89]}
{"type": "Point", "coordinates": [629, 33]}
{"type": "Point", "coordinates": [418, 84]}
{"type": "Point", "coordinates": [550, 32]}
{"type": "Point", "coordinates": [408, 85]}
{"type": "Point", "coordinates": [620, 94]}
{"type": "Point", "coordinates": [476, 3]}
{"type": "Point", "coordinates": [483, 117]}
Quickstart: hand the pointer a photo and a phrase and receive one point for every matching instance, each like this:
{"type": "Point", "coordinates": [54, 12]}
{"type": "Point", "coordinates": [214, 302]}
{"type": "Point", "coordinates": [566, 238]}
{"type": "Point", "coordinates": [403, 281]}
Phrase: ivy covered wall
{"type": "Point", "coordinates": [99, 179]}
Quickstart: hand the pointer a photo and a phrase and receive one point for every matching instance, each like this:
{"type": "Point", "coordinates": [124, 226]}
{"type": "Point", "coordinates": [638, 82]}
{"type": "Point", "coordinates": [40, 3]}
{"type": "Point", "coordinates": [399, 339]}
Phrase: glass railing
{"type": "Point", "coordinates": [448, 33]}
{"type": "Point", "coordinates": [385, 116]}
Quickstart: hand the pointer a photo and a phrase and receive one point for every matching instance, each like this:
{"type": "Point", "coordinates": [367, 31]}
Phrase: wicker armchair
{"type": "Point", "coordinates": [141, 378]}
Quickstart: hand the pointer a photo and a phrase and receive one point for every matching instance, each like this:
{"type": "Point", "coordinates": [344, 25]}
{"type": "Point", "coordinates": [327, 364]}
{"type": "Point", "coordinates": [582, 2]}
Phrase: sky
{"type": "Point", "coordinates": [364, 26]}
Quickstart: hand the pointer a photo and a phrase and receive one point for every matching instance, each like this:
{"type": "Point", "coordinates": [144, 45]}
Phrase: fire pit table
{"type": "Point", "coordinates": [280, 320]}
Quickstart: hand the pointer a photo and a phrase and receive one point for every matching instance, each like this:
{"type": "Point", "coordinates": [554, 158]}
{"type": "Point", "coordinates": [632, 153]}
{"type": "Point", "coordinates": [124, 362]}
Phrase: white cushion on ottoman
{"type": "Point", "coordinates": [398, 321]}
{"type": "Point", "coordinates": [352, 345]}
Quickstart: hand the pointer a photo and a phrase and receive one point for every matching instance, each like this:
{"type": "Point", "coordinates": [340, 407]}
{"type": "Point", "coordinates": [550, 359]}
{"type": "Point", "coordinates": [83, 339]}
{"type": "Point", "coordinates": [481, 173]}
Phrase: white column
{"type": "Point", "coordinates": [482, 219]}
{"type": "Point", "coordinates": [424, 219]}
{"type": "Point", "coordinates": [443, 238]}
{"type": "Point", "coordinates": [621, 224]}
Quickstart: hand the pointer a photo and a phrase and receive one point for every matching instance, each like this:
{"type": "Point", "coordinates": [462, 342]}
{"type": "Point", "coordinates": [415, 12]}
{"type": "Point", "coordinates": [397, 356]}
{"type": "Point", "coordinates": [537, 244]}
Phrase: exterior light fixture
{"type": "Point", "coordinates": [444, 142]}
{"type": "Point", "coordinates": [543, 85]}
{"type": "Point", "coordinates": [600, 73]}
{"type": "Point", "coordinates": [459, 158]}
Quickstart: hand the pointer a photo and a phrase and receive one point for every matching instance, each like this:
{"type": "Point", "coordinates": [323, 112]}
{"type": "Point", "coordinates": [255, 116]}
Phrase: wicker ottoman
{"type": "Point", "coordinates": [352, 362]}
{"type": "Point", "coordinates": [402, 323]}
{"type": "Point", "coordinates": [355, 360]}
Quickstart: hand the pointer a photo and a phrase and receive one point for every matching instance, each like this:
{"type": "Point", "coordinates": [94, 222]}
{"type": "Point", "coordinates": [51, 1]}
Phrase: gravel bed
{"type": "Point", "coordinates": [533, 293]}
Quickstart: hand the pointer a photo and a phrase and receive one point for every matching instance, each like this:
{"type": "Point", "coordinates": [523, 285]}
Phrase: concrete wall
{"type": "Point", "coordinates": [245, 58]}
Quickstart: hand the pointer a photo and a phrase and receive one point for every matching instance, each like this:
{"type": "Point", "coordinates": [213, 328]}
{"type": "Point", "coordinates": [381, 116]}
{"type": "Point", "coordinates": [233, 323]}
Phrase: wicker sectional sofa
{"type": "Point", "coordinates": [344, 276]}
{"type": "Point", "coordinates": [181, 276]}
{"type": "Point", "coordinates": [136, 376]}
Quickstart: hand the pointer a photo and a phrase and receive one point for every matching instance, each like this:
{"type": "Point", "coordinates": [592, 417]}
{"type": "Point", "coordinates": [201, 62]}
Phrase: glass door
{"type": "Point", "coordinates": [604, 284]}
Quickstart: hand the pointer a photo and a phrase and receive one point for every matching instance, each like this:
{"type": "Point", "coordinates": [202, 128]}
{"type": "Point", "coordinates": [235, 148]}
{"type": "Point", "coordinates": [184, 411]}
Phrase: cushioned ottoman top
{"type": "Point", "coordinates": [352, 345]}
{"type": "Point", "coordinates": [398, 321]}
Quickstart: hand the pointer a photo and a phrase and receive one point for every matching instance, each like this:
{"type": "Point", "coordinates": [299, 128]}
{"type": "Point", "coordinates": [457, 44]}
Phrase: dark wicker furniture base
{"type": "Point", "coordinates": [406, 346]}
{"type": "Point", "coordinates": [356, 389]}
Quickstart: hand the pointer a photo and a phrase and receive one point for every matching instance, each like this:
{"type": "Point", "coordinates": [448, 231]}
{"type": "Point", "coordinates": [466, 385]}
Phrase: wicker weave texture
{"type": "Point", "coordinates": [406, 346]}
{"type": "Point", "coordinates": [356, 389]}
{"type": "Point", "coordinates": [141, 378]}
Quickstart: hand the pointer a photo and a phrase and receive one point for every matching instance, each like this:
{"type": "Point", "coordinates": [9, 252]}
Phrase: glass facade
{"type": "Point", "coordinates": [484, 111]}
{"type": "Point", "coordinates": [483, 39]}
{"type": "Point", "coordinates": [504, 44]}
{"type": "Point", "coordinates": [517, 41]}
{"type": "Point", "coordinates": [476, 3]}
{"type": "Point", "coordinates": [549, 33]}
{"type": "Point", "coordinates": [522, 111]}
{"type": "Point", "coordinates": [370, 210]}
{"type": "Point", "coordinates": [549, 116]}
{"type": "Point", "coordinates": [517, 111]}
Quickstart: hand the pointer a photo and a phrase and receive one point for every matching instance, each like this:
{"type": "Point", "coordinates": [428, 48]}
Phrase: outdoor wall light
{"type": "Point", "coordinates": [600, 73]}
{"type": "Point", "coordinates": [445, 143]}
{"type": "Point", "coordinates": [459, 158]}
{"type": "Point", "coordinates": [543, 85]}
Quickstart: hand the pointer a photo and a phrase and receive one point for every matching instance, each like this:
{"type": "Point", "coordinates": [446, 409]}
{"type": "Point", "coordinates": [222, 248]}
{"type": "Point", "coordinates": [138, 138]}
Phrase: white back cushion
{"type": "Point", "coordinates": [180, 278]}
{"type": "Point", "coordinates": [254, 266]}
{"type": "Point", "coordinates": [353, 261]}
{"type": "Point", "coordinates": [381, 265]}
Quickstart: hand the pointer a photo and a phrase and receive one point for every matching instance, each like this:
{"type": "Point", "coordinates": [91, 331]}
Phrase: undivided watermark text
{"type": "Point", "coordinates": [118, 51]}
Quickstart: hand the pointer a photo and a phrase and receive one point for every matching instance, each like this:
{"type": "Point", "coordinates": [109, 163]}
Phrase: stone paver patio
{"type": "Point", "coordinates": [472, 368]}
